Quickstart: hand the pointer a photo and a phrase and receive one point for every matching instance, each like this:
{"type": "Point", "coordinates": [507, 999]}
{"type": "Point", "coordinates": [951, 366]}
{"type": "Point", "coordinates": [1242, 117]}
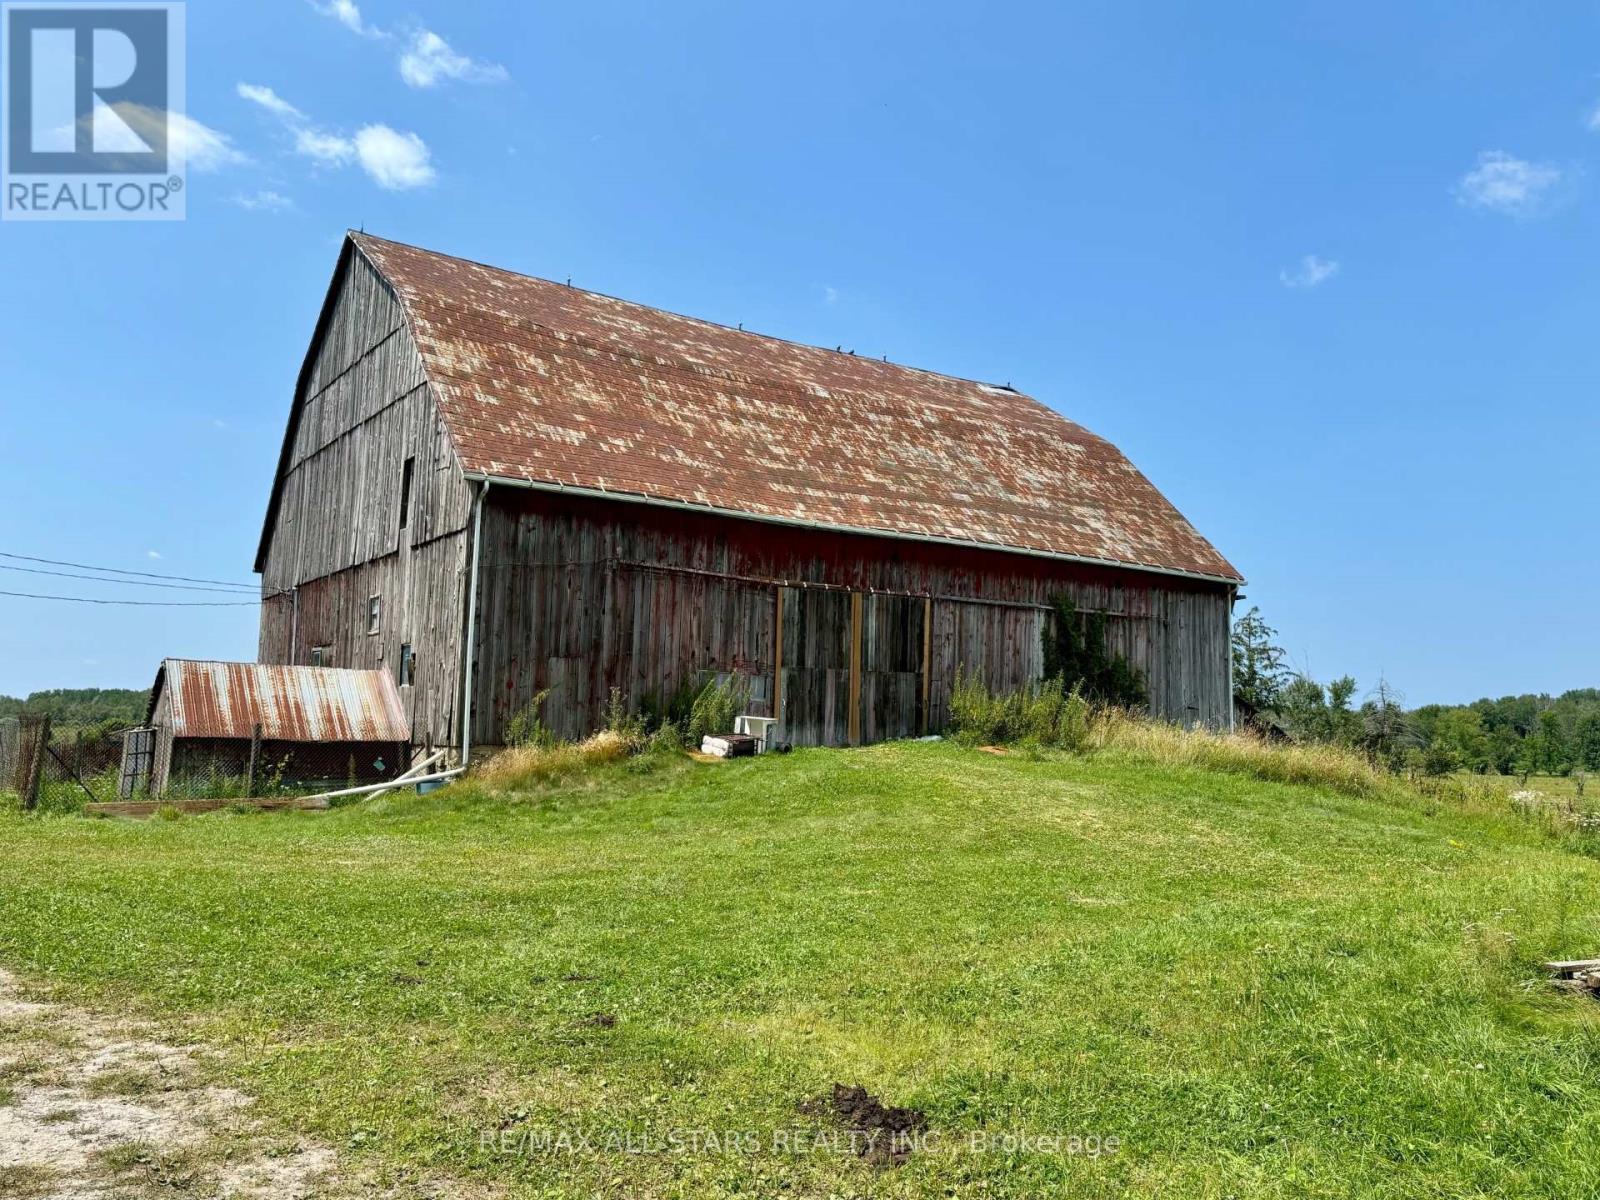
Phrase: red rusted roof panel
{"type": "Point", "coordinates": [292, 704]}
{"type": "Point", "coordinates": [550, 384]}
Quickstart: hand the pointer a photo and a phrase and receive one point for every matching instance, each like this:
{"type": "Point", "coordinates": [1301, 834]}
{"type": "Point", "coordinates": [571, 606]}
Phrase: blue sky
{"type": "Point", "coordinates": [1327, 273]}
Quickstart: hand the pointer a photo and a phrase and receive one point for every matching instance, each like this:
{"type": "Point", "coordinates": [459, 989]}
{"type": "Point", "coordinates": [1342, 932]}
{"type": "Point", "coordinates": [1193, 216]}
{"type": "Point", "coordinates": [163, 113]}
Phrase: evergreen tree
{"type": "Point", "coordinates": [1258, 671]}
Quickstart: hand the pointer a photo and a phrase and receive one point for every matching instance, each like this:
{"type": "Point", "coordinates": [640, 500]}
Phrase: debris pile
{"type": "Point", "coordinates": [1577, 975]}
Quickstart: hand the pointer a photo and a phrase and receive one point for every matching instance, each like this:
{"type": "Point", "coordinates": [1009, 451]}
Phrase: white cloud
{"type": "Point", "coordinates": [200, 146]}
{"type": "Point", "coordinates": [204, 148]}
{"type": "Point", "coordinates": [349, 15]}
{"type": "Point", "coordinates": [1311, 272]}
{"type": "Point", "coordinates": [152, 554]}
{"type": "Point", "coordinates": [329, 149]}
{"type": "Point", "coordinates": [395, 161]}
{"type": "Point", "coordinates": [1505, 184]}
{"type": "Point", "coordinates": [426, 58]}
{"type": "Point", "coordinates": [264, 201]}
{"type": "Point", "coordinates": [270, 100]}
{"type": "Point", "coordinates": [429, 58]}
{"type": "Point", "coordinates": [1593, 119]}
{"type": "Point", "coordinates": [830, 295]}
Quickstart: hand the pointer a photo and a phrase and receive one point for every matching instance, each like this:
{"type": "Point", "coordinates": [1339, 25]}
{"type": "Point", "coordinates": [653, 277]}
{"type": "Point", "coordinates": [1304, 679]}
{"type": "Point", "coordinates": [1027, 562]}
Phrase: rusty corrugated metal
{"type": "Point", "coordinates": [292, 704]}
{"type": "Point", "coordinates": [554, 385]}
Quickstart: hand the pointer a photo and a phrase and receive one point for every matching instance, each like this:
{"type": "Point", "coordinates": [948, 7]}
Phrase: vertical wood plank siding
{"type": "Point", "coordinates": [337, 540]}
{"type": "Point", "coordinates": [578, 596]}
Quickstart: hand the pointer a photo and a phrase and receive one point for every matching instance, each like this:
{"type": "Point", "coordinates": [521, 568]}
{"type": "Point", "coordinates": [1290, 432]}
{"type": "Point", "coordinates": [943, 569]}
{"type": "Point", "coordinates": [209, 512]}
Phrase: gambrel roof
{"type": "Point", "coordinates": [556, 387]}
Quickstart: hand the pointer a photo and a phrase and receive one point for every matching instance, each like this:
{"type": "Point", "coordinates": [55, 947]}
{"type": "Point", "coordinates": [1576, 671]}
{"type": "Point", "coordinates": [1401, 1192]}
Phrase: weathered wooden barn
{"type": "Point", "coordinates": [493, 485]}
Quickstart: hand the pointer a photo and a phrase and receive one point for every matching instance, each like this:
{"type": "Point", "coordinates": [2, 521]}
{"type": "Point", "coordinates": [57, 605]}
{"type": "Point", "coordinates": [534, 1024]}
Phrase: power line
{"type": "Point", "coordinates": [176, 587]}
{"type": "Point", "coordinates": [141, 603]}
{"type": "Point", "coordinates": [51, 562]}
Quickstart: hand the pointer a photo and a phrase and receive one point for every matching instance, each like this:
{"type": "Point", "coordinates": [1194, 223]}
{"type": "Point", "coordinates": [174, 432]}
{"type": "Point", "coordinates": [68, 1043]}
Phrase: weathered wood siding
{"type": "Point", "coordinates": [161, 762]}
{"type": "Point", "coordinates": [580, 596]}
{"type": "Point", "coordinates": [336, 539]}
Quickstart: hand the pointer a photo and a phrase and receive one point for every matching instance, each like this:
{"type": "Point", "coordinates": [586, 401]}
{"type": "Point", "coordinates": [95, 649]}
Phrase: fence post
{"type": "Point", "coordinates": [255, 757]}
{"type": "Point", "coordinates": [35, 739]}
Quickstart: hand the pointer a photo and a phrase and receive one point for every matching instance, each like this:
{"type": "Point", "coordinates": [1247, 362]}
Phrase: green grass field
{"type": "Point", "coordinates": [1562, 787]}
{"type": "Point", "coordinates": [1256, 989]}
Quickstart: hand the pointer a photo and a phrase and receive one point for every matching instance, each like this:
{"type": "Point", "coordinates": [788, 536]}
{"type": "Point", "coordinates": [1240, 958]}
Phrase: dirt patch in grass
{"type": "Point", "coordinates": [101, 1108]}
{"type": "Point", "coordinates": [884, 1135]}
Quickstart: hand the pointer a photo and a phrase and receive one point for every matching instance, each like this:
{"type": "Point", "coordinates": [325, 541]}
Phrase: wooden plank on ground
{"type": "Point", "coordinates": [146, 808]}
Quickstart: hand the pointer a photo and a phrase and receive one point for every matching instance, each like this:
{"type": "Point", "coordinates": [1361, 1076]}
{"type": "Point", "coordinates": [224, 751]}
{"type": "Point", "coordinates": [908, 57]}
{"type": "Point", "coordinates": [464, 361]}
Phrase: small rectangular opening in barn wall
{"type": "Point", "coordinates": [405, 491]}
{"type": "Point", "coordinates": [322, 656]}
{"type": "Point", "coordinates": [374, 614]}
{"type": "Point", "coordinates": [405, 669]}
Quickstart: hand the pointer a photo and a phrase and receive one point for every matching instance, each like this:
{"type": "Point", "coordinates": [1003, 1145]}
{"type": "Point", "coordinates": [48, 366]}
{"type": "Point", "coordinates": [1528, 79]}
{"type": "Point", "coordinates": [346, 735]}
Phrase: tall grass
{"type": "Point", "coordinates": [1043, 714]}
{"type": "Point", "coordinates": [1333, 767]}
{"type": "Point", "coordinates": [545, 758]}
{"type": "Point", "coordinates": [525, 766]}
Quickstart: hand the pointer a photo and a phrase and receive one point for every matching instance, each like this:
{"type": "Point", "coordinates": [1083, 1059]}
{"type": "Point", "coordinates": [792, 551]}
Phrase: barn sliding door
{"type": "Point", "coordinates": [853, 666]}
{"type": "Point", "coordinates": [816, 666]}
{"type": "Point", "coordinates": [891, 667]}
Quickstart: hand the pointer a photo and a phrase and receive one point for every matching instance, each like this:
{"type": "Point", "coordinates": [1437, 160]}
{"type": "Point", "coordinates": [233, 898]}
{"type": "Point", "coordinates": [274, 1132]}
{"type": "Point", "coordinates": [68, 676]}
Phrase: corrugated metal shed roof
{"type": "Point", "coordinates": [292, 704]}
{"type": "Point", "coordinates": [549, 384]}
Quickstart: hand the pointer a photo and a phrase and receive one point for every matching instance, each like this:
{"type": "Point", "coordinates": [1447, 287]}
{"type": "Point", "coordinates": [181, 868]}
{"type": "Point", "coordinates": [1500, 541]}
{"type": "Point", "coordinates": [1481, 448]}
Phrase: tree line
{"type": "Point", "coordinates": [81, 706]}
{"type": "Point", "coordinates": [1513, 735]}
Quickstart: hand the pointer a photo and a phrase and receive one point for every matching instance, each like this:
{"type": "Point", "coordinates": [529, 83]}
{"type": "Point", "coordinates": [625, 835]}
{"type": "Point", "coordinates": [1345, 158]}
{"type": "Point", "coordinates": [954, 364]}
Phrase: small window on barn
{"type": "Point", "coordinates": [374, 614]}
{"type": "Point", "coordinates": [407, 664]}
{"type": "Point", "coordinates": [321, 656]}
{"type": "Point", "coordinates": [405, 491]}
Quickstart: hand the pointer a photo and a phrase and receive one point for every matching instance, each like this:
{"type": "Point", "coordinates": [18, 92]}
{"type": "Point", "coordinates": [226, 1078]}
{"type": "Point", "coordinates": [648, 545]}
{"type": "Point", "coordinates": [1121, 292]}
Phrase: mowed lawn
{"type": "Point", "coordinates": [1258, 990]}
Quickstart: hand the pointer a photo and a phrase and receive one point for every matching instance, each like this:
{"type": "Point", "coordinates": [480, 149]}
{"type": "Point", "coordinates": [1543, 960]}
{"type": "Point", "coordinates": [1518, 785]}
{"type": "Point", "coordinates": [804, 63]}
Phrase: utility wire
{"type": "Point", "coordinates": [51, 562]}
{"type": "Point", "coordinates": [141, 603]}
{"type": "Point", "coordinates": [176, 587]}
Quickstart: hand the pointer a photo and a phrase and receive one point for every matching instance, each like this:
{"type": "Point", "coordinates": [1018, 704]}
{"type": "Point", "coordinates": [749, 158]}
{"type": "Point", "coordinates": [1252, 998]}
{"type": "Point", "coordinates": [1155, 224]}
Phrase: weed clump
{"type": "Point", "coordinates": [1044, 714]}
{"type": "Point", "coordinates": [713, 710]}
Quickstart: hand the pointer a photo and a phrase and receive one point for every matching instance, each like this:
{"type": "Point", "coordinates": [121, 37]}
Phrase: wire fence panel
{"type": "Point", "coordinates": [226, 768]}
{"type": "Point", "coordinates": [104, 766]}
{"type": "Point", "coordinates": [10, 748]}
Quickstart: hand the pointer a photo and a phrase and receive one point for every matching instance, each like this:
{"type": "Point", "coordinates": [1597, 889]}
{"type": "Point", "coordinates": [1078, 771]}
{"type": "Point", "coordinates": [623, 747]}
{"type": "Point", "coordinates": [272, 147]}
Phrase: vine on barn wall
{"type": "Point", "coordinates": [1075, 651]}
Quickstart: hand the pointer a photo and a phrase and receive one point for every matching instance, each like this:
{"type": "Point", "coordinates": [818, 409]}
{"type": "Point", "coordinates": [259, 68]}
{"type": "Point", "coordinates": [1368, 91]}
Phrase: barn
{"type": "Point", "coordinates": [493, 486]}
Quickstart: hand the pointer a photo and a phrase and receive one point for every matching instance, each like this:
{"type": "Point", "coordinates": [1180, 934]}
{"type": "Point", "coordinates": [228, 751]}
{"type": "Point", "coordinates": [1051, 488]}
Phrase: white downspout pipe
{"type": "Point", "coordinates": [472, 627]}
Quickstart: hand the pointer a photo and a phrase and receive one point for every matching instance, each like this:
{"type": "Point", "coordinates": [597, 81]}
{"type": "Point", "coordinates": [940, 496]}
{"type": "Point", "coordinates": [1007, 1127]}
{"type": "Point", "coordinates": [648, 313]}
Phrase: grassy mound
{"type": "Point", "coordinates": [1258, 978]}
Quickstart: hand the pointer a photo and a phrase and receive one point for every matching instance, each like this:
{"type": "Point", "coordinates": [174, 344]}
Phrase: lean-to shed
{"type": "Point", "coordinates": [316, 725]}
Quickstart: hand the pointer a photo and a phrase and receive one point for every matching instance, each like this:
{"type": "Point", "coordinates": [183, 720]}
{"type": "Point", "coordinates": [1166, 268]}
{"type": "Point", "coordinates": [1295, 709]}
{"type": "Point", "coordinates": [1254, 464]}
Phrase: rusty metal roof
{"type": "Point", "coordinates": [551, 385]}
{"type": "Point", "coordinates": [292, 704]}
